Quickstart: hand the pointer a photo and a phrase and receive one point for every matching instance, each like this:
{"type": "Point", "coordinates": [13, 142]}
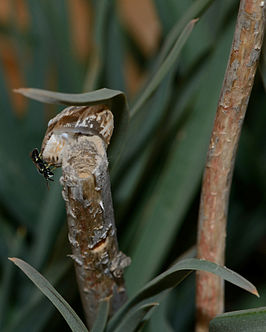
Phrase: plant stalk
{"type": "Point", "coordinates": [77, 139]}
{"type": "Point", "coordinates": [92, 234]}
{"type": "Point", "coordinates": [232, 105]}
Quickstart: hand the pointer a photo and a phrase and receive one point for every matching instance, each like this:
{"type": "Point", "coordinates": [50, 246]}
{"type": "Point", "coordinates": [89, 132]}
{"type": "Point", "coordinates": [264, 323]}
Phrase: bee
{"type": "Point", "coordinates": [42, 167]}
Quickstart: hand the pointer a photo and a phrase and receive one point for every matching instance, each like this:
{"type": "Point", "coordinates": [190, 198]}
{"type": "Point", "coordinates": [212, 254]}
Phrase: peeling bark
{"type": "Point", "coordinates": [77, 139]}
{"type": "Point", "coordinates": [237, 85]}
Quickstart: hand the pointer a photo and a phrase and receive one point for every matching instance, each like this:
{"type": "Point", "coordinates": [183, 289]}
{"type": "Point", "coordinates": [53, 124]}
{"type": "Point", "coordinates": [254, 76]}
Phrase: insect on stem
{"type": "Point", "coordinates": [42, 167]}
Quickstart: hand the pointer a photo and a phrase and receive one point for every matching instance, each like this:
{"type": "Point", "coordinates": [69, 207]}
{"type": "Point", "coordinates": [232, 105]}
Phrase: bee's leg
{"type": "Point", "coordinates": [51, 168]}
{"type": "Point", "coordinates": [41, 170]}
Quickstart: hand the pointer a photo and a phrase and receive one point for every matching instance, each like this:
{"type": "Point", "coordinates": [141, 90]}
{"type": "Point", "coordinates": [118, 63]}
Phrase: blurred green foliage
{"type": "Point", "coordinates": [156, 182]}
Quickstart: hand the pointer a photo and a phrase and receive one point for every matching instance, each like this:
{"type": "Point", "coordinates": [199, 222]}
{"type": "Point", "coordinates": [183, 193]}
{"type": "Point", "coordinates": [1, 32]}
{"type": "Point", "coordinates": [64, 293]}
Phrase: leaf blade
{"type": "Point", "coordinates": [102, 316]}
{"type": "Point", "coordinates": [180, 177]}
{"type": "Point", "coordinates": [48, 290]}
{"type": "Point", "coordinates": [174, 275]}
{"type": "Point", "coordinates": [165, 67]}
{"type": "Point", "coordinates": [131, 321]}
{"type": "Point", "coordinates": [251, 320]}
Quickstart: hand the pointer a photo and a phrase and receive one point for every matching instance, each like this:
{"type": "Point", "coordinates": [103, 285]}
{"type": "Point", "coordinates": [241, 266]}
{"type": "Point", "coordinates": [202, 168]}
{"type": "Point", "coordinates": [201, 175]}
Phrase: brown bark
{"type": "Point", "coordinates": [77, 139]}
{"type": "Point", "coordinates": [217, 178]}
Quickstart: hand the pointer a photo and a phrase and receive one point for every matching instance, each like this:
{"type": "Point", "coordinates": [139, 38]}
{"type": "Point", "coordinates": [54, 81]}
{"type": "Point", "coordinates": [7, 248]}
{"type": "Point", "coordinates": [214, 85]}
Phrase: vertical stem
{"type": "Point", "coordinates": [77, 139]}
{"type": "Point", "coordinates": [92, 234]}
{"type": "Point", "coordinates": [217, 178]}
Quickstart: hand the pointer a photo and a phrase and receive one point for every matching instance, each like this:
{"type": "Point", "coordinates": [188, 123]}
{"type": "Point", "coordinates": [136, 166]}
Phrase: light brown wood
{"type": "Point", "coordinates": [77, 140]}
{"type": "Point", "coordinates": [238, 82]}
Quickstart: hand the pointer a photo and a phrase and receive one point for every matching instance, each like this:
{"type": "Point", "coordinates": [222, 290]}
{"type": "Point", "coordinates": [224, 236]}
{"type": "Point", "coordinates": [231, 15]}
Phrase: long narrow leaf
{"type": "Point", "coordinates": [78, 99]}
{"type": "Point", "coordinates": [134, 318]}
{"type": "Point", "coordinates": [160, 321]}
{"type": "Point", "coordinates": [7, 278]}
{"type": "Point", "coordinates": [102, 16]}
{"type": "Point", "coordinates": [164, 68]}
{"type": "Point", "coordinates": [173, 276]}
{"type": "Point", "coordinates": [136, 140]}
{"type": "Point", "coordinates": [48, 290]}
{"type": "Point", "coordinates": [47, 224]}
{"type": "Point", "coordinates": [102, 316]}
{"type": "Point", "coordinates": [252, 320]}
{"type": "Point", "coordinates": [163, 211]}
{"type": "Point", "coordinates": [25, 316]}
{"type": "Point", "coordinates": [195, 10]}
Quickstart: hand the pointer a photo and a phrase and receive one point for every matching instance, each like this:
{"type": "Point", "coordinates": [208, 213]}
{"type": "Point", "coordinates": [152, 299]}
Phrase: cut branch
{"type": "Point", "coordinates": [238, 82]}
{"type": "Point", "coordinates": [77, 139]}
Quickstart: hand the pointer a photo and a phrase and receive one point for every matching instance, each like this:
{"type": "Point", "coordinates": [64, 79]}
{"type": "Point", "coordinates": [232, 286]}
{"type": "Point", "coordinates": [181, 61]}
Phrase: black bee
{"type": "Point", "coordinates": [41, 165]}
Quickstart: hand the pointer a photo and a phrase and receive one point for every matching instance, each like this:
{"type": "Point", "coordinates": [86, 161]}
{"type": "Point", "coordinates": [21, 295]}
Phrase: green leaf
{"type": "Point", "coordinates": [252, 320]}
{"type": "Point", "coordinates": [114, 53]}
{"type": "Point", "coordinates": [137, 140]}
{"type": "Point", "coordinates": [114, 99]}
{"type": "Point", "coordinates": [57, 15]}
{"type": "Point", "coordinates": [47, 224]}
{"type": "Point", "coordinates": [13, 179]}
{"type": "Point", "coordinates": [102, 12]}
{"type": "Point", "coordinates": [102, 316]}
{"type": "Point", "coordinates": [78, 99]}
{"type": "Point", "coordinates": [173, 276]}
{"type": "Point", "coordinates": [195, 10]}
{"type": "Point", "coordinates": [164, 68]}
{"type": "Point", "coordinates": [162, 213]}
{"type": "Point", "coordinates": [24, 318]}
{"type": "Point", "coordinates": [160, 321]}
{"type": "Point", "coordinates": [7, 281]}
{"type": "Point", "coordinates": [134, 318]}
{"type": "Point", "coordinates": [48, 290]}
{"type": "Point", "coordinates": [6, 117]}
